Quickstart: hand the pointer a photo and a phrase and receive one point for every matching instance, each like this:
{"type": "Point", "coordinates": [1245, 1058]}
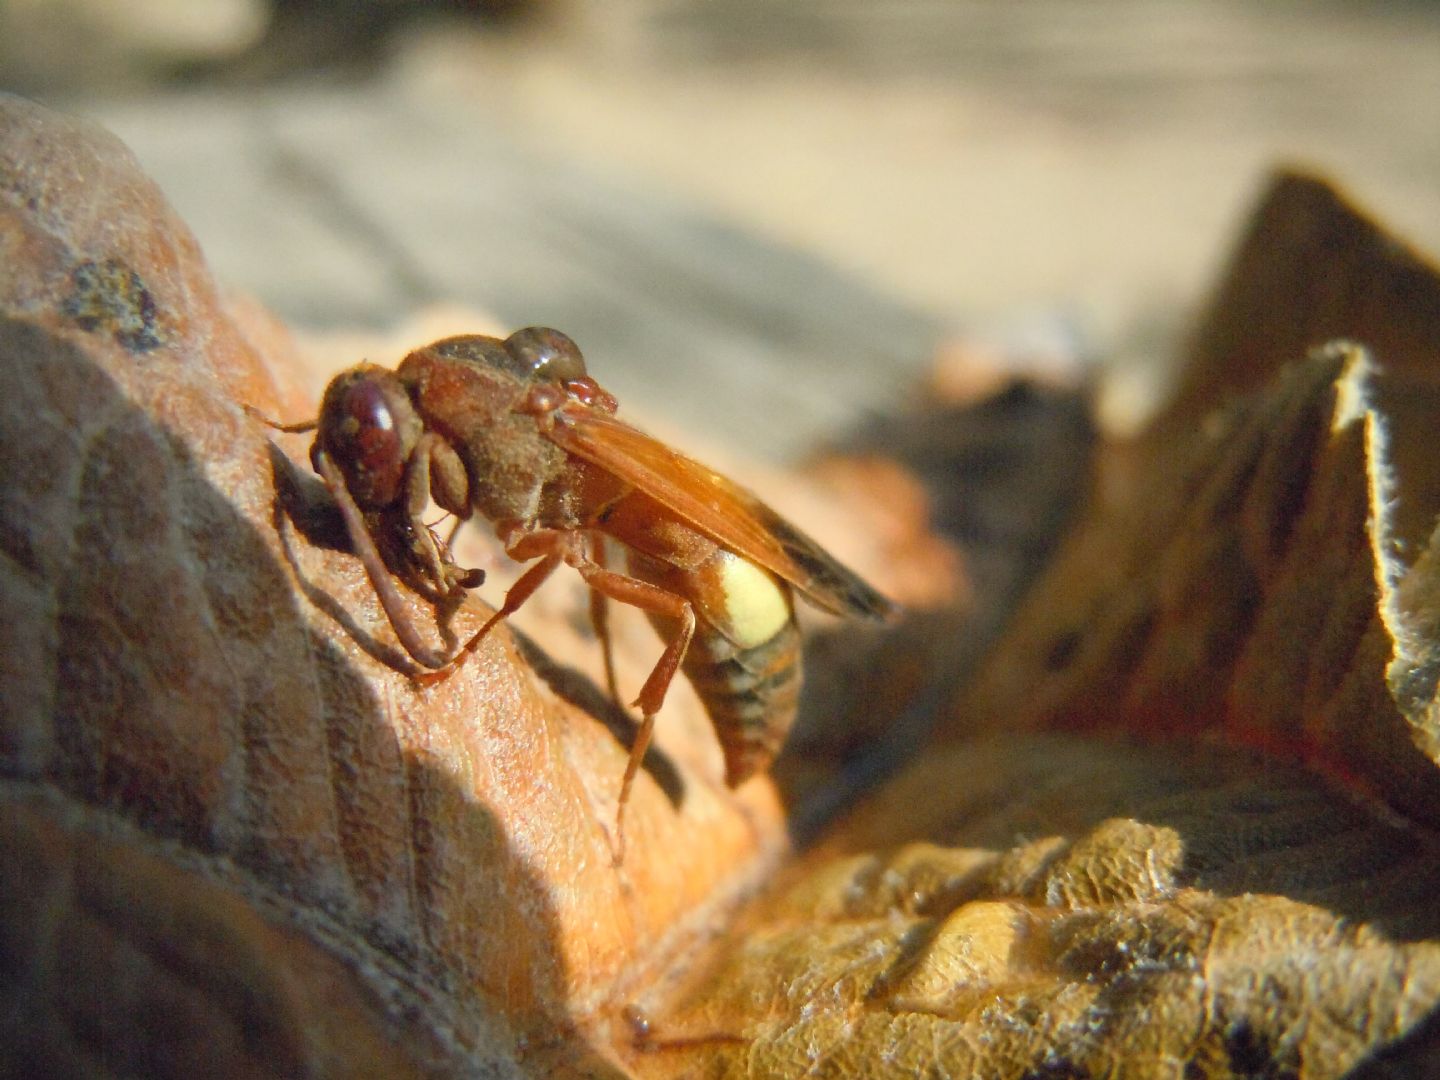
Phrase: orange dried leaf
{"type": "Point", "coordinates": [180, 658]}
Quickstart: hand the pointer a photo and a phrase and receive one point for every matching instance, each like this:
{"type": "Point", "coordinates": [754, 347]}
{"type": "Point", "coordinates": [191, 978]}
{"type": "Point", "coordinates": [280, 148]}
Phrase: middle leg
{"type": "Point", "coordinates": [654, 600]}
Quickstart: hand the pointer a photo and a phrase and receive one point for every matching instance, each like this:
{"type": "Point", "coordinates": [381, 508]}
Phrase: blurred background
{"type": "Point", "coordinates": [762, 219]}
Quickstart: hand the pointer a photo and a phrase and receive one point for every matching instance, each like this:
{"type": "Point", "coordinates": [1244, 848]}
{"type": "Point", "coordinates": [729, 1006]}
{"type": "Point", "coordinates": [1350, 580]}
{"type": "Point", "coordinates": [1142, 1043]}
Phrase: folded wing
{"type": "Point", "coordinates": [717, 507]}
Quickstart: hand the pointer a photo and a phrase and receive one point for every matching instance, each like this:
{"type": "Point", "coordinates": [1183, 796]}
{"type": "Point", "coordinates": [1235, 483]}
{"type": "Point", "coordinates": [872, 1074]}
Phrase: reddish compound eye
{"type": "Point", "coordinates": [378, 454]}
{"type": "Point", "coordinates": [369, 428]}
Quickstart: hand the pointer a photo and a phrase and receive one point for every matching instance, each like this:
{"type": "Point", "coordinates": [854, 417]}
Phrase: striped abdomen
{"type": "Point", "coordinates": [744, 660]}
{"type": "Point", "coordinates": [750, 693]}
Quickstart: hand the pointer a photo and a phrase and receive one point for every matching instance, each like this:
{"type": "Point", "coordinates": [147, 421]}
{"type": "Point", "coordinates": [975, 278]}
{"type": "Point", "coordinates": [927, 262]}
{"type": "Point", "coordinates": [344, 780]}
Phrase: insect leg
{"type": "Point", "coordinates": [521, 591]}
{"type": "Point", "coordinates": [454, 532]}
{"type": "Point", "coordinates": [555, 546]}
{"type": "Point", "coordinates": [658, 601]}
{"type": "Point", "coordinates": [369, 556]}
{"type": "Point", "coordinates": [417, 498]}
{"type": "Point", "coordinates": [570, 547]}
{"type": "Point", "coordinates": [600, 621]}
{"type": "Point", "coordinates": [420, 472]}
{"type": "Point", "coordinates": [551, 546]}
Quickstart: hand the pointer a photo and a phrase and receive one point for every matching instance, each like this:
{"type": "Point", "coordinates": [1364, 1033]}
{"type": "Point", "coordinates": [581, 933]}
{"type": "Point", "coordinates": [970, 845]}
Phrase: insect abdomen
{"type": "Point", "coordinates": [744, 660]}
{"type": "Point", "coordinates": [750, 693]}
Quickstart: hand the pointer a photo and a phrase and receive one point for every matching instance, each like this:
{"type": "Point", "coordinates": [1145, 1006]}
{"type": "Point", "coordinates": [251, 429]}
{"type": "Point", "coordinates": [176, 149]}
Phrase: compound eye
{"type": "Point", "coordinates": [367, 427]}
{"type": "Point", "coordinates": [548, 355]}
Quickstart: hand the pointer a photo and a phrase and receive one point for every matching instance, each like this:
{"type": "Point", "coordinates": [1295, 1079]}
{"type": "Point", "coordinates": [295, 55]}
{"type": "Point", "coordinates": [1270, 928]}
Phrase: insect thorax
{"type": "Point", "coordinates": [510, 467]}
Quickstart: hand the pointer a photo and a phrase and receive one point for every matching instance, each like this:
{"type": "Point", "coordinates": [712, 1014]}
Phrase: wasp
{"type": "Point", "coordinates": [518, 432]}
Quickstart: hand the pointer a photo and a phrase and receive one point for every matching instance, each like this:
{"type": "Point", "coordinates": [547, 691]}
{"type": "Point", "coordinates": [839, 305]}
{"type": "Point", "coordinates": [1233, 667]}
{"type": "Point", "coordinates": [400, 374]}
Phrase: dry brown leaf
{"type": "Point", "coordinates": [1041, 905]}
{"type": "Point", "coordinates": [180, 661]}
{"type": "Point", "coordinates": [1249, 586]}
{"type": "Point", "coordinates": [1132, 898]}
{"type": "Point", "coordinates": [1311, 268]}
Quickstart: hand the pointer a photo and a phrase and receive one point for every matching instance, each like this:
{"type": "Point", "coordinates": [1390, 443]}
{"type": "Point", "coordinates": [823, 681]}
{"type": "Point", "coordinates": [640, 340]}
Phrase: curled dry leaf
{"type": "Point", "coordinates": [1251, 585]}
{"type": "Point", "coordinates": [1182, 822]}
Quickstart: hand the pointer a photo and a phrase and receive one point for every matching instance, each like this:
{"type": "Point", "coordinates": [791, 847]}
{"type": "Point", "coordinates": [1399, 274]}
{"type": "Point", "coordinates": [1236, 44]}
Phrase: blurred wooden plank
{"type": "Point", "coordinates": [355, 208]}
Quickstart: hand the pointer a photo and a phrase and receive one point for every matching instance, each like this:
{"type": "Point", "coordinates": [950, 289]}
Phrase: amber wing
{"type": "Point", "coordinates": [717, 507]}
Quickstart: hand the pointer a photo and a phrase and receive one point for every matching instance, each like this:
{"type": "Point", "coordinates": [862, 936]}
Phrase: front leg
{"type": "Point", "coordinates": [434, 470]}
{"type": "Point", "coordinates": [421, 545]}
{"type": "Point", "coordinates": [375, 569]}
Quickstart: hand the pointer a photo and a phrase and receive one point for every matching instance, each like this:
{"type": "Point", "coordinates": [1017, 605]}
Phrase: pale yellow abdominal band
{"type": "Point", "coordinates": [756, 607]}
